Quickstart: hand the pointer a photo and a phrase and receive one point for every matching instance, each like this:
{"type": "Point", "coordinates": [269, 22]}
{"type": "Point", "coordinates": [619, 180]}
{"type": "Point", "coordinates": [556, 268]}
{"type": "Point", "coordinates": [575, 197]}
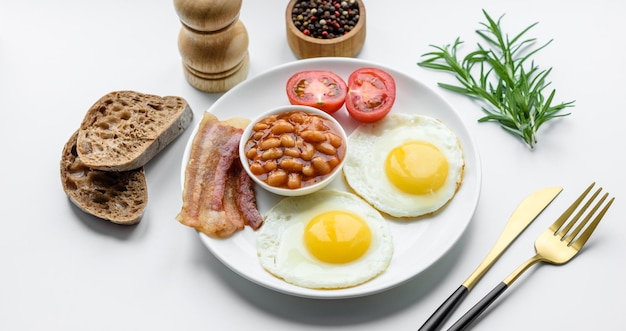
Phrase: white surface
{"type": "Point", "coordinates": [418, 243]}
{"type": "Point", "coordinates": [64, 271]}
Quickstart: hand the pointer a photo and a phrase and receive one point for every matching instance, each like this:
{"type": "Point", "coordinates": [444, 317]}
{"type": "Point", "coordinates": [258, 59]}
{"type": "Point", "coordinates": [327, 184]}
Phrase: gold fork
{"type": "Point", "coordinates": [556, 245]}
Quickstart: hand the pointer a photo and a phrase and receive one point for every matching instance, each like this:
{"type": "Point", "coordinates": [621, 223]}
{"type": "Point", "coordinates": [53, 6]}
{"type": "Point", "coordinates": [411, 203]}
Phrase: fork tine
{"type": "Point", "coordinates": [568, 212]}
{"type": "Point", "coordinates": [582, 224]}
{"type": "Point", "coordinates": [580, 242]}
{"type": "Point", "coordinates": [582, 210]}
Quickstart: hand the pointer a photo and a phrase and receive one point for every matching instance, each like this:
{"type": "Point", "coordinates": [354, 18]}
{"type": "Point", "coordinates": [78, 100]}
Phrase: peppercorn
{"type": "Point", "coordinates": [325, 19]}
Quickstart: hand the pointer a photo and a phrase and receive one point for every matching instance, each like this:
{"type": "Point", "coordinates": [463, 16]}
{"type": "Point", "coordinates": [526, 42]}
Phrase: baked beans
{"type": "Point", "coordinates": [294, 149]}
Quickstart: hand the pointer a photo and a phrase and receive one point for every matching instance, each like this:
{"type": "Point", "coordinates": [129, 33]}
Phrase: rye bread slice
{"type": "Point", "coordinates": [119, 197]}
{"type": "Point", "coordinates": [126, 129]}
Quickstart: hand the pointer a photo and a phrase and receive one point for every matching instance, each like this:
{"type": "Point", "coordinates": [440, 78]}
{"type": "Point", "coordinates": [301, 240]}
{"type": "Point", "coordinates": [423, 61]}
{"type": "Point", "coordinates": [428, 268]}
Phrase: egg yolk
{"type": "Point", "coordinates": [337, 237]}
{"type": "Point", "coordinates": [417, 167]}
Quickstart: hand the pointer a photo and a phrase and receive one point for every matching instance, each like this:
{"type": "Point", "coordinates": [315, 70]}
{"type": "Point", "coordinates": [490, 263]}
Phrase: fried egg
{"type": "Point", "coordinates": [325, 240]}
{"type": "Point", "coordinates": [405, 165]}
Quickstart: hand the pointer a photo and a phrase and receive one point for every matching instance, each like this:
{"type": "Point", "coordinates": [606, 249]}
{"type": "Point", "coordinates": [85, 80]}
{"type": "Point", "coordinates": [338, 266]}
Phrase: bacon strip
{"type": "Point", "coordinates": [246, 200]}
{"type": "Point", "coordinates": [217, 201]}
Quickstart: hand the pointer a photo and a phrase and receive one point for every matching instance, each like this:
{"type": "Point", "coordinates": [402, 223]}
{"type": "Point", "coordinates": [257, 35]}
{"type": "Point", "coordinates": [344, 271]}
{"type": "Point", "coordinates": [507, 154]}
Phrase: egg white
{"type": "Point", "coordinates": [282, 252]}
{"type": "Point", "coordinates": [369, 145]}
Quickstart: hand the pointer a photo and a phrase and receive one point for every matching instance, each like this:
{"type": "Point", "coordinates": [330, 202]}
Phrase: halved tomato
{"type": "Point", "coordinates": [321, 89]}
{"type": "Point", "coordinates": [371, 94]}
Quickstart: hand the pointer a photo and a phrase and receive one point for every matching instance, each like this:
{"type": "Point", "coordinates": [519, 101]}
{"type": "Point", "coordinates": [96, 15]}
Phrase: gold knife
{"type": "Point", "coordinates": [522, 216]}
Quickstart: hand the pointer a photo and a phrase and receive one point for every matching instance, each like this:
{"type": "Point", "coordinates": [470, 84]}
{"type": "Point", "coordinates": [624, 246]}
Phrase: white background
{"type": "Point", "coordinates": [63, 270]}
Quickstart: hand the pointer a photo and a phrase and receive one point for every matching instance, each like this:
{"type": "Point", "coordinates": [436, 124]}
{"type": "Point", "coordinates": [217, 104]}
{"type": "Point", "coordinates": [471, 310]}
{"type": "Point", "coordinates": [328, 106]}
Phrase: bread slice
{"type": "Point", "coordinates": [126, 129]}
{"type": "Point", "coordinates": [119, 197]}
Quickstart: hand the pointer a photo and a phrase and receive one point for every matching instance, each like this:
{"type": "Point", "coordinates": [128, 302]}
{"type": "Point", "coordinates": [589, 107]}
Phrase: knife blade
{"type": "Point", "coordinates": [521, 217]}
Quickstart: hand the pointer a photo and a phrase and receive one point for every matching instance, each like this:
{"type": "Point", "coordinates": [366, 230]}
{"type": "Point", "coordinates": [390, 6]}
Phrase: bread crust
{"type": "Point", "coordinates": [120, 197]}
{"type": "Point", "coordinates": [124, 130]}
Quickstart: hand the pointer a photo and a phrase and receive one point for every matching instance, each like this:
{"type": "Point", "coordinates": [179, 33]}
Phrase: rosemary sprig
{"type": "Point", "coordinates": [510, 91]}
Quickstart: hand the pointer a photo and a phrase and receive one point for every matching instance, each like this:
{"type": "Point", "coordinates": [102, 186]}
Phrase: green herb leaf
{"type": "Point", "coordinates": [502, 76]}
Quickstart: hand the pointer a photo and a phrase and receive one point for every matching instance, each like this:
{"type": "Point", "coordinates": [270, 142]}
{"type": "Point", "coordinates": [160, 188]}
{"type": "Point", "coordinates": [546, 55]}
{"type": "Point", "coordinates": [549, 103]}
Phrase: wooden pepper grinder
{"type": "Point", "coordinates": [213, 43]}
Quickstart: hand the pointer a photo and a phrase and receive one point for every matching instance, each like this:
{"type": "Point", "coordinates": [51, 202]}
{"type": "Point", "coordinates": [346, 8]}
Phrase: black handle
{"type": "Point", "coordinates": [447, 307]}
{"type": "Point", "coordinates": [478, 308]}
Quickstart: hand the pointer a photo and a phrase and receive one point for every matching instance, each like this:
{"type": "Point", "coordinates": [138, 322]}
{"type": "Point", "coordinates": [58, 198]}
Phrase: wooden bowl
{"type": "Point", "coordinates": [303, 46]}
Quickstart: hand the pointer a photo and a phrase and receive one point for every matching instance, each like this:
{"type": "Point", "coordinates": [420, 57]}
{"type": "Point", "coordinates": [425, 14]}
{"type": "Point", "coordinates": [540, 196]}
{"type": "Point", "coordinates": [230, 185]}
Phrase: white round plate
{"type": "Point", "coordinates": [417, 243]}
